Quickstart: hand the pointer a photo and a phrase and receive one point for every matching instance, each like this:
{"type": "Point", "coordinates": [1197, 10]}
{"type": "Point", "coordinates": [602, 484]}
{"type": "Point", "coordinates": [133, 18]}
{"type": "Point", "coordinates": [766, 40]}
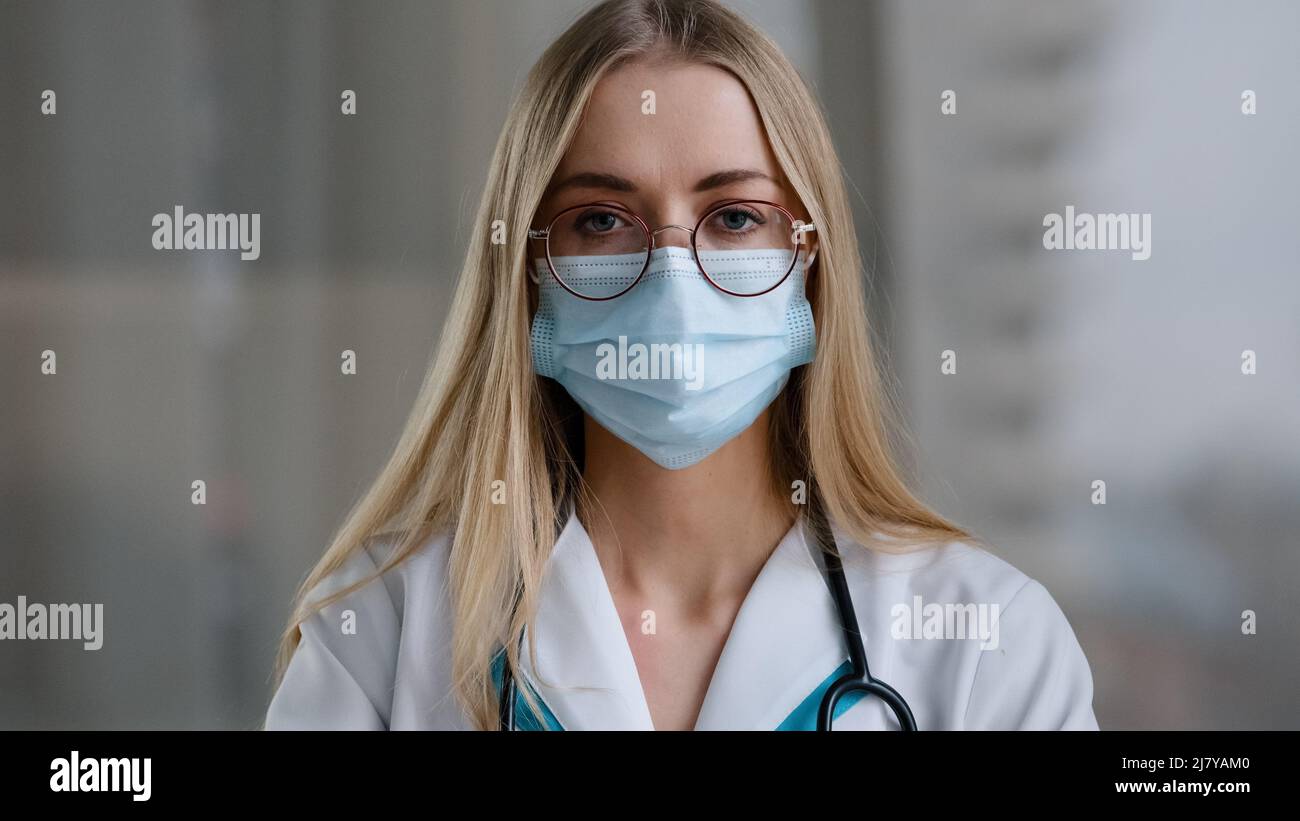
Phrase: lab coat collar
{"type": "Point", "coordinates": [584, 669]}
{"type": "Point", "coordinates": [785, 641]}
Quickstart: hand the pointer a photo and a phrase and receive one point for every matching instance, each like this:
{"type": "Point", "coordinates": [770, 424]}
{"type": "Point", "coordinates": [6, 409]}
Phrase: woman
{"type": "Point", "coordinates": [648, 472]}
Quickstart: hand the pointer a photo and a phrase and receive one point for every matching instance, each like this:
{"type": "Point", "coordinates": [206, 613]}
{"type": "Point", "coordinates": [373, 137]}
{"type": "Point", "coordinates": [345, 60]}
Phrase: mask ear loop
{"type": "Point", "coordinates": [531, 264]}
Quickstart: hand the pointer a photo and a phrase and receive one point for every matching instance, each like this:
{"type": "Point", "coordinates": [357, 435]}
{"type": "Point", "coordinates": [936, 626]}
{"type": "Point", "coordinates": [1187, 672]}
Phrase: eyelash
{"type": "Point", "coordinates": [584, 218]}
{"type": "Point", "coordinates": [756, 218]}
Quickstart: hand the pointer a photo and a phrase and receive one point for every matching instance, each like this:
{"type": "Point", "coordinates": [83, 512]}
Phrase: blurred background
{"type": "Point", "coordinates": [1072, 366]}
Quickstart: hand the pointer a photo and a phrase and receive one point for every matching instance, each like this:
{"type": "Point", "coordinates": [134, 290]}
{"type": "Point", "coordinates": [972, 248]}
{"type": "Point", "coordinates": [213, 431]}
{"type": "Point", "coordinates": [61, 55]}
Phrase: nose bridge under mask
{"type": "Point", "coordinates": [683, 302]}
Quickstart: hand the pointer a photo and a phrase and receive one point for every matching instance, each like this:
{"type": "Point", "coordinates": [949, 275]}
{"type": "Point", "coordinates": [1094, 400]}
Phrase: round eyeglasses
{"type": "Point", "coordinates": [601, 251]}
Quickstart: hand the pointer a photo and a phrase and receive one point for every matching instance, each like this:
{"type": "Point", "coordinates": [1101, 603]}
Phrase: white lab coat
{"type": "Point", "coordinates": [394, 671]}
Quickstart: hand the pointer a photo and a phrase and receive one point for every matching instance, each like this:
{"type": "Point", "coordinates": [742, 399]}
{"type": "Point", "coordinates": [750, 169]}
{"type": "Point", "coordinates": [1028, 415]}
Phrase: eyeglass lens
{"type": "Point", "coordinates": [744, 248]}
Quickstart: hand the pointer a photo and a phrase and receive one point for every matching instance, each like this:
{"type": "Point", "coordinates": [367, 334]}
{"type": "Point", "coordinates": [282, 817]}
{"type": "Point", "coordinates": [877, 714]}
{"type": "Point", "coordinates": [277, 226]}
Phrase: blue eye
{"type": "Point", "coordinates": [738, 219]}
{"type": "Point", "coordinates": [599, 222]}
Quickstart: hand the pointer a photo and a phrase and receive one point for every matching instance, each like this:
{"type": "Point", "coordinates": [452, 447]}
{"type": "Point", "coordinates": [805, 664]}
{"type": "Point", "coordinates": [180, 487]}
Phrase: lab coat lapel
{"type": "Point", "coordinates": [584, 669]}
{"type": "Point", "coordinates": [785, 641]}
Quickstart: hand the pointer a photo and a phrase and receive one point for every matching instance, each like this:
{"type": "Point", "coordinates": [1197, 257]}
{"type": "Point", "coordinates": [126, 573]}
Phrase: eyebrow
{"type": "Point", "coordinates": [613, 182]}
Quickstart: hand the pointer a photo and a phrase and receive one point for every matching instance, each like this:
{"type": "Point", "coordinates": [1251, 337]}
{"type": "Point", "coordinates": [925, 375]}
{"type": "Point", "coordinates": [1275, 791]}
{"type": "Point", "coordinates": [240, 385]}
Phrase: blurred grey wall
{"type": "Point", "coordinates": [1071, 367]}
{"type": "Point", "coordinates": [1077, 366]}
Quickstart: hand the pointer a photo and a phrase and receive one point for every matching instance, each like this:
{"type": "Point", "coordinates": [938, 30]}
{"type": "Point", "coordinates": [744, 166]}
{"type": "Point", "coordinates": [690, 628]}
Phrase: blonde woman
{"type": "Point", "coordinates": [647, 483]}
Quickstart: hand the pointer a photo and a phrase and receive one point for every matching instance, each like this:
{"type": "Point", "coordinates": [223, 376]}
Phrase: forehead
{"type": "Point", "coordinates": [702, 120]}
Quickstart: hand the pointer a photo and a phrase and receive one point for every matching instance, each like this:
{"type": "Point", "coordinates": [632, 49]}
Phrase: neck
{"type": "Point", "coordinates": [696, 533]}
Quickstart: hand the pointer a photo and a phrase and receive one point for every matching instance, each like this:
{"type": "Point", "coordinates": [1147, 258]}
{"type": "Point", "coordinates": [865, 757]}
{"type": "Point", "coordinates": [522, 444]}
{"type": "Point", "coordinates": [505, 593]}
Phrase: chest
{"type": "Point", "coordinates": [676, 654]}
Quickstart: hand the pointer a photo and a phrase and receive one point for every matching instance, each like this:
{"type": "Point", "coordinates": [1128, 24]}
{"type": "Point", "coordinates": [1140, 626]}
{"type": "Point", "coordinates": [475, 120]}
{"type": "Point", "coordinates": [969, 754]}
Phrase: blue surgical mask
{"type": "Point", "coordinates": [674, 367]}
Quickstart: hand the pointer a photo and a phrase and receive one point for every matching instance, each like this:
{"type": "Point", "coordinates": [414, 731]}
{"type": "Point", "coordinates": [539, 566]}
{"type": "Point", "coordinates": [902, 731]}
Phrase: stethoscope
{"type": "Point", "coordinates": [858, 679]}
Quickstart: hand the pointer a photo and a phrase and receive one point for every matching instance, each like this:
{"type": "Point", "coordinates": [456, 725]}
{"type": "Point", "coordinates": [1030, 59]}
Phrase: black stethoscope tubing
{"type": "Point", "coordinates": [859, 678]}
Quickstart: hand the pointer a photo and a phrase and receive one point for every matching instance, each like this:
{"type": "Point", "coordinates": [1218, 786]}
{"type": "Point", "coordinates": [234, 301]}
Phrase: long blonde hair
{"type": "Point", "coordinates": [483, 417]}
